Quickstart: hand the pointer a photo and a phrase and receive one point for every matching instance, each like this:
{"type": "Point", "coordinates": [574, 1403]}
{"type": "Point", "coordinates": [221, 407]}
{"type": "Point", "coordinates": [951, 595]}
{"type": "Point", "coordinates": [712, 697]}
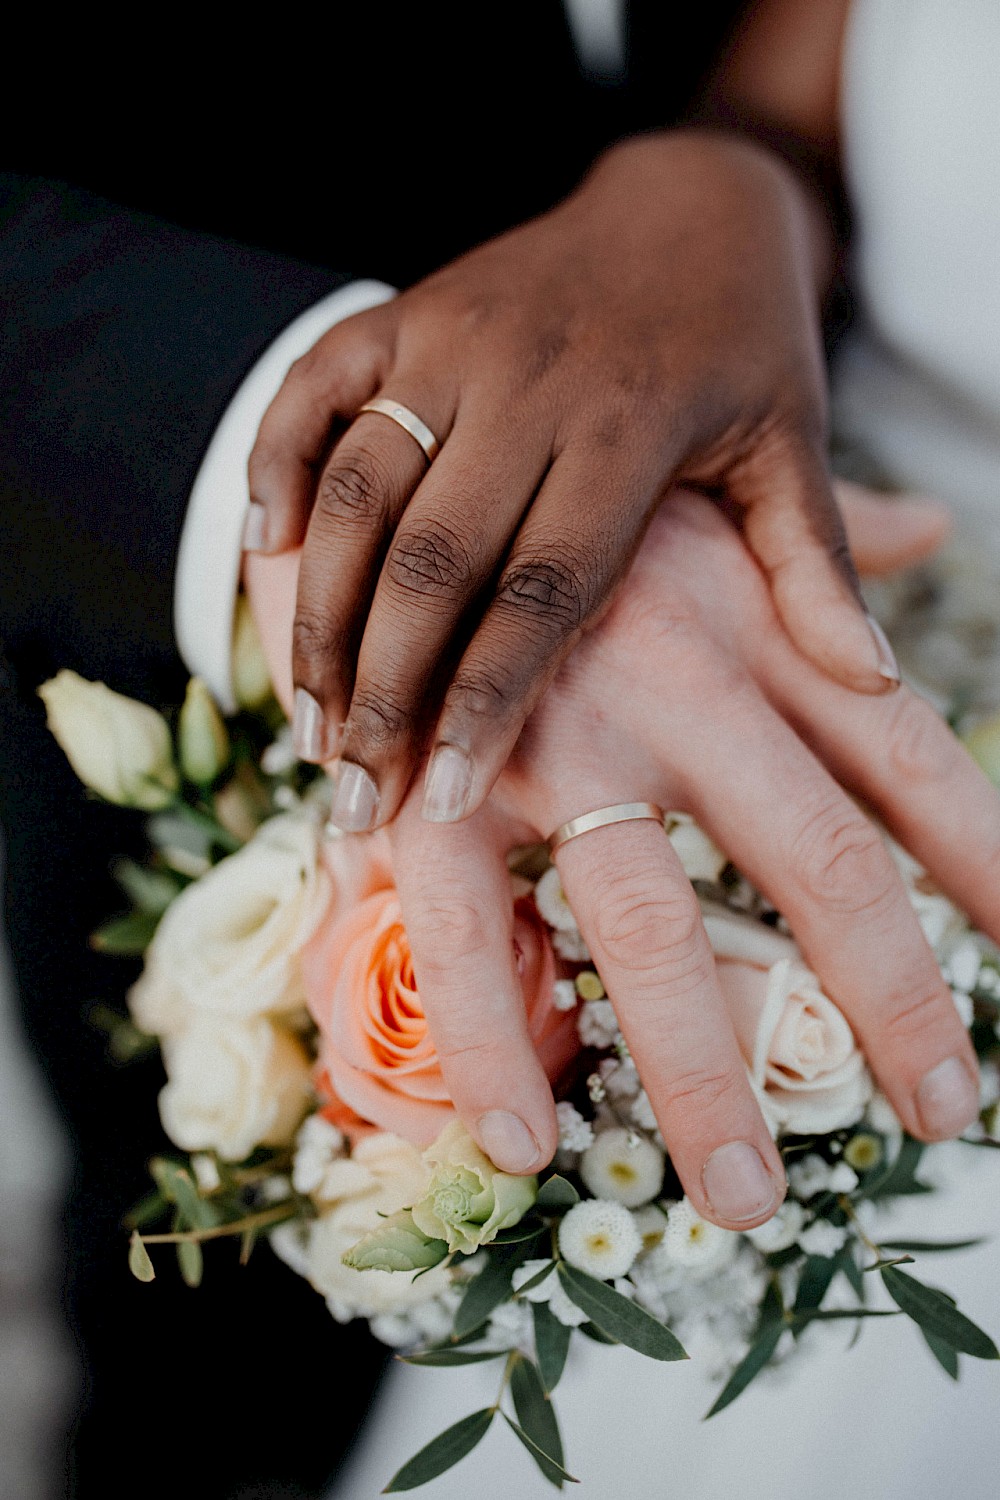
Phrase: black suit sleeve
{"type": "Point", "coordinates": [123, 340]}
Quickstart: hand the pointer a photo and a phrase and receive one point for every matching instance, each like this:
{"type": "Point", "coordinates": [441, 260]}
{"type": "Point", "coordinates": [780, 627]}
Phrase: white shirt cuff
{"type": "Point", "coordinates": [211, 546]}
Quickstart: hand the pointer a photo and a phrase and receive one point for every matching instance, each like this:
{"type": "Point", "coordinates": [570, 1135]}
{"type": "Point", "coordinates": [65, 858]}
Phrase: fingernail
{"type": "Point", "coordinates": [355, 798]}
{"type": "Point", "coordinates": [888, 666]}
{"type": "Point", "coordinates": [508, 1142]}
{"type": "Point", "coordinates": [737, 1184]}
{"type": "Point", "coordinates": [309, 731]}
{"type": "Point", "coordinates": [255, 529]}
{"type": "Point", "coordinates": [447, 785]}
{"type": "Point", "coordinates": [947, 1099]}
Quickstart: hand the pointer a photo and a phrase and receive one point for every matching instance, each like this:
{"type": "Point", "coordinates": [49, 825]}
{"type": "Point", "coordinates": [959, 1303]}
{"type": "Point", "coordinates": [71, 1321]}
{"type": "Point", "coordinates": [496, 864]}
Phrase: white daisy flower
{"type": "Point", "coordinates": [599, 1237]}
{"type": "Point", "coordinates": [575, 1133]}
{"type": "Point", "coordinates": [693, 1241]}
{"type": "Point", "coordinates": [651, 1223]}
{"type": "Point", "coordinates": [551, 1291]}
{"type": "Point", "coordinates": [550, 898]}
{"type": "Point", "coordinates": [780, 1231]}
{"type": "Point", "coordinates": [564, 996]}
{"type": "Point", "coordinates": [623, 1166]}
{"type": "Point", "coordinates": [822, 1238]}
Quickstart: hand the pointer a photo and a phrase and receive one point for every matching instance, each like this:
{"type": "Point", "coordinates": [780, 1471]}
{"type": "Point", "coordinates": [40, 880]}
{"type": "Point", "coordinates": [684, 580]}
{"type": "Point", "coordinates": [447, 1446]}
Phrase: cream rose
{"type": "Point", "coordinates": [387, 1174]}
{"type": "Point", "coordinates": [233, 1085]}
{"type": "Point", "coordinates": [799, 1048]}
{"type": "Point", "coordinates": [231, 942]}
{"type": "Point", "coordinates": [116, 746]}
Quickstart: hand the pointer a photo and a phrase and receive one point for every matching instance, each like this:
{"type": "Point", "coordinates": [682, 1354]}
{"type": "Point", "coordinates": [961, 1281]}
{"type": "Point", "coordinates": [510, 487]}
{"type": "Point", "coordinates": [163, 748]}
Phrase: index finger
{"type": "Point", "coordinates": [642, 923]}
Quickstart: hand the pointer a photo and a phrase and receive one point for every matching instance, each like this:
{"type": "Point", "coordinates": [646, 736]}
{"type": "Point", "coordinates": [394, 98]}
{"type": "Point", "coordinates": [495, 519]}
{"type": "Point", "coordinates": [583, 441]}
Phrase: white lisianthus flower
{"type": "Point", "coordinates": [233, 1085]}
{"type": "Point", "coordinates": [202, 737]}
{"type": "Point", "coordinates": [387, 1175]}
{"type": "Point", "coordinates": [317, 1146]}
{"type": "Point", "coordinates": [599, 1237]}
{"type": "Point", "coordinates": [702, 860]}
{"type": "Point", "coordinates": [116, 746]}
{"type": "Point", "coordinates": [564, 996]}
{"type": "Point", "coordinates": [550, 898]}
{"type": "Point", "coordinates": [597, 1024]}
{"type": "Point", "coordinates": [695, 1242]}
{"type": "Point", "coordinates": [822, 1238]}
{"type": "Point", "coordinates": [550, 1290]}
{"type": "Point", "coordinates": [230, 943]}
{"type": "Point", "coordinates": [206, 1172]}
{"type": "Point", "coordinates": [467, 1200]}
{"type": "Point", "coordinates": [780, 1231]}
{"type": "Point", "coordinates": [623, 1166]}
{"type": "Point", "coordinates": [575, 1133]}
{"type": "Point", "coordinates": [251, 677]}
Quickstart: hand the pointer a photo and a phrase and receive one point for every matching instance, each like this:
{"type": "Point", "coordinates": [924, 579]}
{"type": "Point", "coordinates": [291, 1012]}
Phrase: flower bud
{"type": "Point", "coordinates": [251, 678]}
{"type": "Point", "coordinates": [117, 747]}
{"type": "Point", "coordinates": [396, 1245]}
{"type": "Point", "coordinates": [468, 1200]}
{"type": "Point", "coordinates": [202, 737]}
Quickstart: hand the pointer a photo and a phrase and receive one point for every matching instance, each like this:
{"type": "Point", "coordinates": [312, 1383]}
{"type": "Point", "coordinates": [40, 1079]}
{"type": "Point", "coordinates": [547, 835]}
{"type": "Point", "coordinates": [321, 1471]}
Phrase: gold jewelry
{"type": "Point", "coordinates": [620, 812]}
{"type": "Point", "coordinates": [409, 421]}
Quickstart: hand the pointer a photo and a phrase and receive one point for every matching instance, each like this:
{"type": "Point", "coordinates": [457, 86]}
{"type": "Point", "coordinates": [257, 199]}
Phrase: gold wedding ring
{"type": "Point", "coordinates": [602, 817]}
{"type": "Point", "coordinates": [409, 421]}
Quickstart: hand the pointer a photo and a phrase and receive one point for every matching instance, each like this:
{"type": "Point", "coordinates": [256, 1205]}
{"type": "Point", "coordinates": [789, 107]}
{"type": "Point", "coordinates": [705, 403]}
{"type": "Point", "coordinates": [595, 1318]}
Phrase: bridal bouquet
{"type": "Point", "coordinates": [306, 1102]}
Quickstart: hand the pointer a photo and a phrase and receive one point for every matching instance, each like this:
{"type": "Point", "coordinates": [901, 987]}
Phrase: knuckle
{"type": "Point", "coordinates": [646, 933]}
{"type": "Point", "coordinates": [919, 754]}
{"type": "Point", "coordinates": [457, 928]}
{"type": "Point", "coordinates": [353, 491]}
{"type": "Point", "coordinates": [840, 861]}
{"type": "Point", "coordinates": [374, 724]}
{"type": "Point", "coordinates": [916, 1019]}
{"type": "Point", "coordinates": [703, 1091]}
{"type": "Point", "coordinates": [481, 692]}
{"type": "Point", "coordinates": [550, 590]}
{"type": "Point", "coordinates": [431, 560]}
{"type": "Point", "coordinates": [315, 638]}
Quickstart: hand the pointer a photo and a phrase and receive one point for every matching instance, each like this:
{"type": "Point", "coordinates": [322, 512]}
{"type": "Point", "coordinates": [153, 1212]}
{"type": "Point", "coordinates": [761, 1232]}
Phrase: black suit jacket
{"type": "Point", "coordinates": [123, 340]}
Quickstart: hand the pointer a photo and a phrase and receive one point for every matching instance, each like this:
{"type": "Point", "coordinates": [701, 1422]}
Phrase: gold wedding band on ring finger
{"type": "Point", "coordinates": [409, 421]}
{"type": "Point", "coordinates": [603, 817]}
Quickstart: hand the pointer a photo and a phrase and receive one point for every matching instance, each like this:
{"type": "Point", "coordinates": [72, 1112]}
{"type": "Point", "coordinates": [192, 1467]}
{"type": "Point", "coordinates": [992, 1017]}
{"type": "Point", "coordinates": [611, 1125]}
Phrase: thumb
{"type": "Point", "coordinates": [889, 532]}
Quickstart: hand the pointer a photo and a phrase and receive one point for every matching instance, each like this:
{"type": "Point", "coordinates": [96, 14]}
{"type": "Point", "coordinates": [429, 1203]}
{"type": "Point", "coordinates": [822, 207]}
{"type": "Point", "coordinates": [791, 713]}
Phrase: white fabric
{"type": "Point", "coordinates": [917, 387]}
{"type": "Point", "coordinates": [208, 563]}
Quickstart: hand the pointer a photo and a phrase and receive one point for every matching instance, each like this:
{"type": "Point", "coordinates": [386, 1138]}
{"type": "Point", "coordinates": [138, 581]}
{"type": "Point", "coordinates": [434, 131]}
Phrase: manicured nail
{"type": "Point", "coordinates": [447, 785]}
{"type": "Point", "coordinates": [737, 1184]}
{"type": "Point", "coordinates": [255, 529]}
{"type": "Point", "coordinates": [309, 731]}
{"type": "Point", "coordinates": [947, 1099]}
{"type": "Point", "coordinates": [888, 666]}
{"type": "Point", "coordinates": [508, 1142]}
{"type": "Point", "coordinates": [355, 798]}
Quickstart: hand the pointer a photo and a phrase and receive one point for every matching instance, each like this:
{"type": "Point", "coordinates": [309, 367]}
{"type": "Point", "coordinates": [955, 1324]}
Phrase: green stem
{"type": "Point", "coordinates": [273, 1215]}
{"type": "Point", "coordinates": [209, 823]}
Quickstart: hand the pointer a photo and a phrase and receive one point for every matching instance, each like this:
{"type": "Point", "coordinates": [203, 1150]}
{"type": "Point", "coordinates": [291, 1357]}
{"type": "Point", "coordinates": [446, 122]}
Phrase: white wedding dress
{"type": "Point", "coordinates": [917, 392]}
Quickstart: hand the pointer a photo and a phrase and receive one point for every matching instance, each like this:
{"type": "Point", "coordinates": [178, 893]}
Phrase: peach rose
{"type": "Point", "coordinates": [374, 1042]}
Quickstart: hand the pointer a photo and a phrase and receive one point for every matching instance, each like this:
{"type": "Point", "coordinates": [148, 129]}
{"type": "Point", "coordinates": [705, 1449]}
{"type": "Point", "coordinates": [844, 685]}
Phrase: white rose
{"type": "Point", "coordinates": [233, 1085]}
{"type": "Point", "coordinates": [387, 1174]}
{"type": "Point", "coordinates": [798, 1046]}
{"type": "Point", "coordinates": [230, 943]}
{"type": "Point", "coordinates": [116, 746]}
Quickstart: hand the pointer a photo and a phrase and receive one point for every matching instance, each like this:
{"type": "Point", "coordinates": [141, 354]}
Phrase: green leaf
{"type": "Point", "coordinates": [945, 1355]}
{"type": "Point", "coordinates": [814, 1282]}
{"type": "Point", "coordinates": [538, 1278]}
{"type": "Point", "coordinates": [851, 1269]}
{"type": "Point", "coordinates": [178, 1186]}
{"type": "Point", "coordinates": [442, 1452]}
{"type": "Point", "coordinates": [749, 1367]}
{"type": "Point", "coordinates": [936, 1314]}
{"type": "Point", "coordinates": [881, 1263]}
{"type": "Point", "coordinates": [534, 1409]}
{"type": "Point", "coordinates": [528, 1229]}
{"type": "Point", "coordinates": [150, 890]}
{"type": "Point", "coordinates": [552, 1471]}
{"type": "Point", "coordinates": [146, 1211]}
{"type": "Point", "coordinates": [838, 1314]}
{"type": "Point", "coordinates": [126, 937]}
{"type": "Point", "coordinates": [591, 1331]}
{"type": "Point", "coordinates": [443, 1358]}
{"type": "Point", "coordinates": [899, 1179]}
{"type": "Point", "coordinates": [616, 1316]}
{"type": "Point", "coordinates": [191, 1261]}
{"type": "Point", "coordinates": [490, 1288]}
{"type": "Point", "coordinates": [930, 1246]}
{"type": "Point", "coordinates": [139, 1262]}
{"type": "Point", "coordinates": [556, 1195]}
{"type": "Point", "coordinates": [552, 1340]}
